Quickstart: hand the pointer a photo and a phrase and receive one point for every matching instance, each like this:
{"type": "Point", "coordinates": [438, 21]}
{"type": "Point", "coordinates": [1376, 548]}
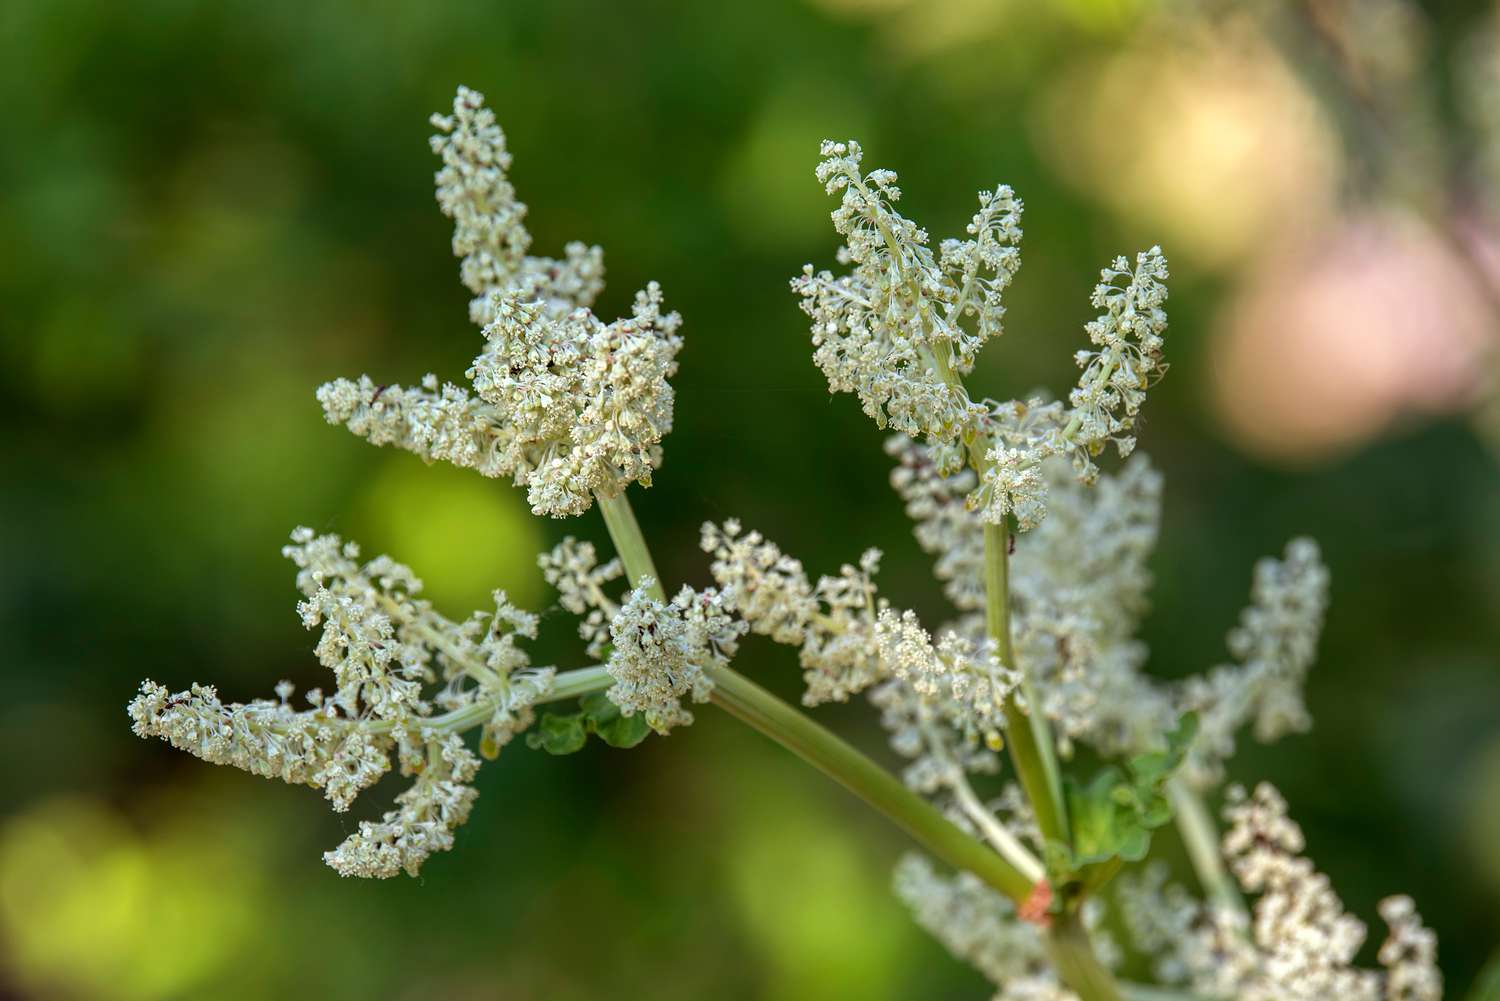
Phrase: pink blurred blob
{"type": "Point", "coordinates": [1344, 332]}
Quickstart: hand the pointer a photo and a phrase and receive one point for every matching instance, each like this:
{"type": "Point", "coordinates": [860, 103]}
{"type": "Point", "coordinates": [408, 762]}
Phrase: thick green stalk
{"type": "Point", "coordinates": [1029, 738]}
{"type": "Point", "coordinates": [1073, 954]}
{"type": "Point", "coordinates": [1201, 838]}
{"type": "Point", "coordinates": [630, 544]}
{"type": "Point", "coordinates": [1026, 734]}
{"type": "Point", "coordinates": [819, 746]}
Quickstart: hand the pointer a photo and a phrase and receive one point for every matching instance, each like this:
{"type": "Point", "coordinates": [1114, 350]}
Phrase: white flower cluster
{"type": "Point", "coordinates": [1299, 943]}
{"type": "Point", "coordinates": [1275, 645]}
{"type": "Point", "coordinates": [436, 423]}
{"type": "Point", "coordinates": [890, 328]}
{"type": "Point", "coordinates": [588, 403]}
{"type": "Point", "coordinates": [660, 651]}
{"type": "Point", "coordinates": [893, 330]}
{"type": "Point", "coordinates": [1079, 586]}
{"type": "Point", "coordinates": [564, 404]}
{"type": "Point", "coordinates": [573, 568]}
{"type": "Point", "coordinates": [1126, 360]}
{"type": "Point", "coordinates": [851, 640]}
{"type": "Point", "coordinates": [489, 223]}
{"type": "Point", "coordinates": [958, 669]}
{"type": "Point", "coordinates": [385, 646]}
{"type": "Point", "coordinates": [426, 815]}
{"type": "Point", "coordinates": [834, 621]}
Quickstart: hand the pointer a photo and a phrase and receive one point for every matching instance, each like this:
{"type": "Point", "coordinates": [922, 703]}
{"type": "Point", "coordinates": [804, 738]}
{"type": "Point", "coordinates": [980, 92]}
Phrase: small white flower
{"type": "Point", "coordinates": [385, 647]}
{"type": "Point", "coordinates": [566, 405]}
{"type": "Point", "coordinates": [1275, 644]}
{"type": "Point", "coordinates": [489, 223]}
{"type": "Point", "coordinates": [660, 651]}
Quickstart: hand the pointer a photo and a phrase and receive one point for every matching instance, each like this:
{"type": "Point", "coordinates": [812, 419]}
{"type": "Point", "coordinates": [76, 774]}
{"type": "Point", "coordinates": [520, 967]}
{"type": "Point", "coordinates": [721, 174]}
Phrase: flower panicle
{"type": "Point", "coordinates": [489, 221]}
{"type": "Point", "coordinates": [903, 325]}
{"type": "Point", "coordinates": [1275, 645]}
{"type": "Point", "coordinates": [395, 661]}
{"type": "Point", "coordinates": [562, 403]}
{"type": "Point", "coordinates": [661, 650]}
{"type": "Point", "coordinates": [1298, 941]}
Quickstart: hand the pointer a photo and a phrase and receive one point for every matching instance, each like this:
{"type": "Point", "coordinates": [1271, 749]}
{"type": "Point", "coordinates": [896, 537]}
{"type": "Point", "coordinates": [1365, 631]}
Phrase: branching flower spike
{"type": "Point", "coordinates": [562, 403]}
{"type": "Point", "coordinates": [1043, 555]}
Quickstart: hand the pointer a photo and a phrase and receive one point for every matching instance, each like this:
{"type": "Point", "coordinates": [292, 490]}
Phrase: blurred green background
{"type": "Point", "coordinates": [206, 209]}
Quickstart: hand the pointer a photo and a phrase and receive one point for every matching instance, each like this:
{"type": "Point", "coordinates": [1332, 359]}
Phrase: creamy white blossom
{"type": "Point", "coordinates": [893, 330]}
{"type": "Point", "coordinates": [394, 660]}
{"type": "Point", "coordinates": [1078, 587]}
{"type": "Point", "coordinates": [587, 403]}
{"type": "Point", "coordinates": [575, 409]}
{"type": "Point", "coordinates": [426, 814]}
{"type": "Point", "coordinates": [903, 317]}
{"type": "Point", "coordinates": [1298, 944]}
{"type": "Point", "coordinates": [832, 621]}
{"type": "Point", "coordinates": [563, 403]}
{"type": "Point", "coordinates": [957, 668]}
{"type": "Point", "coordinates": [660, 651]}
{"type": "Point", "coordinates": [436, 423]}
{"type": "Point", "coordinates": [1274, 645]}
{"type": "Point", "coordinates": [489, 222]}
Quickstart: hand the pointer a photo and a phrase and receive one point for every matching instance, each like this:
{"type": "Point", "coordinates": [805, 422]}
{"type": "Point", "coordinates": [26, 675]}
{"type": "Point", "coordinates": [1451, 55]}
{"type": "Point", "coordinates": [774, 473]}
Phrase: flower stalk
{"type": "Point", "coordinates": [819, 746]}
{"type": "Point", "coordinates": [1079, 967]}
{"type": "Point", "coordinates": [1200, 837]}
{"type": "Point", "coordinates": [1027, 734]}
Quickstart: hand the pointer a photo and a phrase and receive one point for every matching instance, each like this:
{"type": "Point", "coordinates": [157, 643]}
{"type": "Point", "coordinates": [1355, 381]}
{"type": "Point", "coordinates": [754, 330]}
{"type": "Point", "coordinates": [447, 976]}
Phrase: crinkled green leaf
{"type": "Point", "coordinates": [613, 728]}
{"type": "Point", "coordinates": [558, 734]}
{"type": "Point", "coordinates": [1113, 815]}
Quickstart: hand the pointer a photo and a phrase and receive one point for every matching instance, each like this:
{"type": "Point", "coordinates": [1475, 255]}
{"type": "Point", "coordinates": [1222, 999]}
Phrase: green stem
{"type": "Point", "coordinates": [1026, 733]}
{"type": "Point", "coordinates": [1201, 838]}
{"type": "Point", "coordinates": [1073, 954]}
{"type": "Point", "coordinates": [1028, 736]}
{"type": "Point", "coordinates": [630, 544]}
{"type": "Point", "coordinates": [565, 685]}
{"type": "Point", "coordinates": [819, 746]}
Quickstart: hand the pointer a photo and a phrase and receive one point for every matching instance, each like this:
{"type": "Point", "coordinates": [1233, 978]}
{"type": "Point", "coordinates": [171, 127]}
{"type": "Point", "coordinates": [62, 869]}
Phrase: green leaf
{"type": "Point", "coordinates": [1112, 816]}
{"type": "Point", "coordinates": [557, 734]}
{"type": "Point", "coordinates": [614, 729]}
{"type": "Point", "coordinates": [565, 734]}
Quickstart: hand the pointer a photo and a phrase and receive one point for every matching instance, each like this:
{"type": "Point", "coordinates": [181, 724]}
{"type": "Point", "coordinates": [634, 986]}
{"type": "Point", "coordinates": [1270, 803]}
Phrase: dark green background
{"type": "Point", "coordinates": [208, 209]}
